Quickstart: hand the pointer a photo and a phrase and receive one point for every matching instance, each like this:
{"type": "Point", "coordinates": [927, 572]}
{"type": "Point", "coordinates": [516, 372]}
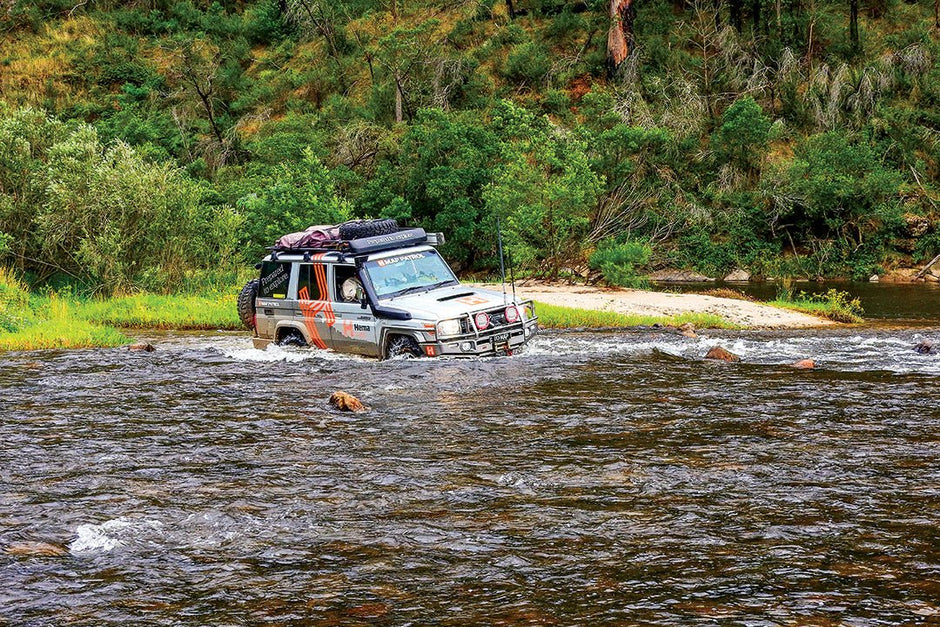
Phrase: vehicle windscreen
{"type": "Point", "coordinates": [413, 272]}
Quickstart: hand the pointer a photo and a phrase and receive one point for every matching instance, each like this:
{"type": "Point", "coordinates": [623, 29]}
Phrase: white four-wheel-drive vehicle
{"type": "Point", "coordinates": [384, 295]}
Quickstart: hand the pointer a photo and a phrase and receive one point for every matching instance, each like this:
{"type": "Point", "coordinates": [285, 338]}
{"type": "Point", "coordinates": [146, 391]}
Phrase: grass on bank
{"type": "Point", "coordinates": [151, 311]}
{"type": "Point", "coordinates": [34, 322]}
{"type": "Point", "coordinates": [556, 317]}
{"type": "Point", "coordinates": [832, 305]}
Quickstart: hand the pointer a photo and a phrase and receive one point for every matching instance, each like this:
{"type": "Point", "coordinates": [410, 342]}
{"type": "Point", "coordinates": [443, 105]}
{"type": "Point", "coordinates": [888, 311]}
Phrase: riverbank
{"type": "Point", "coordinates": [666, 307]}
{"type": "Point", "coordinates": [50, 321]}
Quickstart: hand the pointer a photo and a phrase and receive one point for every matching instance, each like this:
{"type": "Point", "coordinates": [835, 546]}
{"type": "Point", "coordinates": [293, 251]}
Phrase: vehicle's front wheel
{"type": "Point", "coordinates": [402, 346]}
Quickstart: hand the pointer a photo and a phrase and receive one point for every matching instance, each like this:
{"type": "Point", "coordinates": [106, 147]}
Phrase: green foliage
{"type": "Point", "coordinates": [762, 139]}
{"type": "Point", "coordinates": [103, 212]}
{"type": "Point", "coordinates": [528, 63]}
{"type": "Point", "coordinates": [618, 262]}
{"type": "Point", "coordinates": [544, 188]}
{"type": "Point", "coordinates": [743, 135]}
{"type": "Point", "coordinates": [833, 304]}
{"type": "Point", "coordinates": [14, 303]}
{"type": "Point", "coordinates": [295, 196]}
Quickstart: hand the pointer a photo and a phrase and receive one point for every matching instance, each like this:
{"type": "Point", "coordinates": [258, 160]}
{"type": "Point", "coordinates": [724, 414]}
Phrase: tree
{"type": "Point", "coordinates": [544, 189]}
{"type": "Point", "coordinates": [297, 195]}
{"type": "Point", "coordinates": [620, 35]}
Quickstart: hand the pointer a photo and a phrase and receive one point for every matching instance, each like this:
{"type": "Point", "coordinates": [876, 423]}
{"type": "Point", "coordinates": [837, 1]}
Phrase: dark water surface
{"type": "Point", "coordinates": [595, 479]}
{"type": "Point", "coordinates": [889, 302]}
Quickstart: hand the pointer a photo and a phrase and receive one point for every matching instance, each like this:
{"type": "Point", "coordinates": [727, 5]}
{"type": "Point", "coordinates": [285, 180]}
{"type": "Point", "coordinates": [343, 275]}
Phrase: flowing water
{"type": "Point", "coordinates": [593, 479]}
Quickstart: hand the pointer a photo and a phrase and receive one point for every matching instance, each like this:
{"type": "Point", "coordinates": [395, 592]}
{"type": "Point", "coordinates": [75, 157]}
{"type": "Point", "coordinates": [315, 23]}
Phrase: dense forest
{"type": "Point", "coordinates": [161, 144]}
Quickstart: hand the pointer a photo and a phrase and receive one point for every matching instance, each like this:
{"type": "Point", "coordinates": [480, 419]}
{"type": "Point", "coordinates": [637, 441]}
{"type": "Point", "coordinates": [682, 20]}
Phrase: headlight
{"type": "Point", "coordinates": [448, 327]}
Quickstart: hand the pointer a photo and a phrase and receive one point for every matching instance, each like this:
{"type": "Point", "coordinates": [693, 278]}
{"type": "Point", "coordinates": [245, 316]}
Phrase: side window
{"type": "Point", "coordinates": [346, 286]}
{"type": "Point", "coordinates": [311, 282]}
{"type": "Point", "coordinates": [275, 277]}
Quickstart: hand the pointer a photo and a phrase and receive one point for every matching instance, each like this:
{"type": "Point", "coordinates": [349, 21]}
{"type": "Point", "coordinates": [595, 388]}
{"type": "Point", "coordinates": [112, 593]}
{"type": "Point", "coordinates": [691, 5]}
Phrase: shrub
{"type": "Point", "coordinates": [528, 63]}
{"type": "Point", "coordinates": [618, 262]}
{"type": "Point", "coordinates": [14, 303]}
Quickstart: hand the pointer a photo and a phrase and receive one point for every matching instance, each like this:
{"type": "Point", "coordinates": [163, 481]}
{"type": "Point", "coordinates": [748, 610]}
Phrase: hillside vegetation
{"type": "Point", "coordinates": [161, 144]}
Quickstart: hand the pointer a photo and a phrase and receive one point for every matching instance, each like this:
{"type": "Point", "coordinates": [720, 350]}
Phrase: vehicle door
{"type": "Point", "coordinates": [313, 306]}
{"type": "Point", "coordinates": [355, 330]}
{"type": "Point", "coordinates": [272, 305]}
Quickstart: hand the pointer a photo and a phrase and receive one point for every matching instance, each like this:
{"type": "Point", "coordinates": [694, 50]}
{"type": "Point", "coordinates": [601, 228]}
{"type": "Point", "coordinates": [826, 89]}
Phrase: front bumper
{"type": "Point", "coordinates": [506, 339]}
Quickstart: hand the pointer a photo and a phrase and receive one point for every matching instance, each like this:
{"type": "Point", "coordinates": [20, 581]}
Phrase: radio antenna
{"type": "Point", "coordinates": [502, 265]}
{"type": "Point", "coordinates": [512, 277]}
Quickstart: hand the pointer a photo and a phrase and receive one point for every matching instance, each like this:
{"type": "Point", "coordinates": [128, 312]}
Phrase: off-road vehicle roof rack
{"type": "Point", "coordinates": [364, 245]}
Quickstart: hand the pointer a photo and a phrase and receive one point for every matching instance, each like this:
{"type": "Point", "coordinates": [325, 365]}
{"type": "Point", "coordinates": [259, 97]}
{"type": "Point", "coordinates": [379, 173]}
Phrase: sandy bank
{"type": "Point", "coordinates": [626, 301]}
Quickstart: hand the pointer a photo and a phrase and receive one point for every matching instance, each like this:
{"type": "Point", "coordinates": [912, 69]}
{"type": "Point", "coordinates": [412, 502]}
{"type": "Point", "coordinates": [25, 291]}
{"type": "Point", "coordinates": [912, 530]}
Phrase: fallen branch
{"type": "Point", "coordinates": [924, 270]}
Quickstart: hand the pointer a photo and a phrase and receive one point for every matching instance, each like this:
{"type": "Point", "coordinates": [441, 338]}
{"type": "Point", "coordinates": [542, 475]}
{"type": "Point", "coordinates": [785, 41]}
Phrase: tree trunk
{"type": "Point", "coordinates": [853, 26]}
{"type": "Point", "coordinates": [734, 8]}
{"type": "Point", "coordinates": [512, 9]}
{"type": "Point", "coordinates": [620, 35]}
{"type": "Point", "coordinates": [398, 99]}
{"type": "Point", "coordinates": [936, 13]}
{"type": "Point", "coordinates": [755, 17]}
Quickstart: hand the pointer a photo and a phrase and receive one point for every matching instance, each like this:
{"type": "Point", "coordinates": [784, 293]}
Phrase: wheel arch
{"type": "Point", "coordinates": [283, 328]}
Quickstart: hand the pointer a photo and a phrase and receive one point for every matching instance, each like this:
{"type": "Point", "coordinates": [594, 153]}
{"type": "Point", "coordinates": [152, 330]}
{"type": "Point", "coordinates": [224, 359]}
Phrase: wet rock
{"type": "Point", "coordinates": [804, 364]}
{"type": "Point", "coordinates": [738, 276]}
{"type": "Point", "coordinates": [874, 278]}
{"type": "Point", "coordinates": [688, 330]}
{"type": "Point", "coordinates": [678, 276]}
{"type": "Point", "coordinates": [142, 346]}
{"type": "Point", "coordinates": [346, 402]}
{"type": "Point", "coordinates": [720, 354]}
{"type": "Point", "coordinates": [35, 549]}
{"type": "Point", "coordinates": [925, 347]}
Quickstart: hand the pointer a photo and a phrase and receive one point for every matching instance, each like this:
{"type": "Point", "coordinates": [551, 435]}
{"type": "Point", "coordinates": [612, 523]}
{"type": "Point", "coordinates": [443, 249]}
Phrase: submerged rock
{"type": "Point", "coordinates": [924, 347]}
{"type": "Point", "coordinates": [720, 354]}
{"type": "Point", "coordinates": [346, 402]}
{"type": "Point", "coordinates": [142, 346]}
{"type": "Point", "coordinates": [39, 549]}
{"type": "Point", "coordinates": [804, 364]}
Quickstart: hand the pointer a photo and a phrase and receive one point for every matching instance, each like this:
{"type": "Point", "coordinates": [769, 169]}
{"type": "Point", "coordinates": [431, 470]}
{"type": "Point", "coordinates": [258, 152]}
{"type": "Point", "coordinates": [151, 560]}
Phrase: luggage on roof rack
{"type": "Point", "coordinates": [313, 237]}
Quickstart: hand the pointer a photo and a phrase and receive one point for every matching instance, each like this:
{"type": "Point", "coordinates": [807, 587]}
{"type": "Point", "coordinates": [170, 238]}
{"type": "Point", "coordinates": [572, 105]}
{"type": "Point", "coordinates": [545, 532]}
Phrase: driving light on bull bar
{"type": "Point", "coordinates": [448, 327]}
{"type": "Point", "coordinates": [466, 346]}
{"type": "Point", "coordinates": [512, 314]}
{"type": "Point", "coordinates": [482, 320]}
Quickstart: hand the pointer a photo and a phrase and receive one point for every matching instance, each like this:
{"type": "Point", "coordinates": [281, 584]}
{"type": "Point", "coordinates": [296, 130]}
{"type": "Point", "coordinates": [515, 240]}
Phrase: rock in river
{"type": "Point", "coordinates": [925, 347]}
{"type": "Point", "coordinates": [346, 402]}
{"type": "Point", "coordinates": [804, 364]}
{"type": "Point", "coordinates": [36, 549]}
{"type": "Point", "coordinates": [142, 346]}
{"type": "Point", "coordinates": [717, 352]}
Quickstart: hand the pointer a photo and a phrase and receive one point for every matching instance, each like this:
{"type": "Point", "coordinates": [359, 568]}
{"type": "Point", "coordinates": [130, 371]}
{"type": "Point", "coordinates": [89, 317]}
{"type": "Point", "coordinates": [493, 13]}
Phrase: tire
{"type": "Point", "coordinates": [402, 346]}
{"type": "Point", "coordinates": [357, 229]}
{"type": "Point", "coordinates": [246, 303]}
{"type": "Point", "coordinates": [292, 337]}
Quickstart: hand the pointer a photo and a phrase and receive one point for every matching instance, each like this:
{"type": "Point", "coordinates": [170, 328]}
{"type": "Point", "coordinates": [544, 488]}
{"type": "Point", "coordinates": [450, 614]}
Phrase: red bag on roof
{"type": "Point", "coordinates": [312, 237]}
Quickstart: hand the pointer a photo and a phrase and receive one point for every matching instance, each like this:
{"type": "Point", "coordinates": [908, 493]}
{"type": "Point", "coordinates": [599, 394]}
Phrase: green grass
{"type": "Point", "coordinates": [555, 317]}
{"type": "Point", "coordinates": [34, 322]}
{"type": "Point", "coordinates": [833, 305]}
{"type": "Point", "coordinates": [50, 323]}
{"type": "Point", "coordinates": [150, 311]}
{"type": "Point", "coordinates": [61, 333]}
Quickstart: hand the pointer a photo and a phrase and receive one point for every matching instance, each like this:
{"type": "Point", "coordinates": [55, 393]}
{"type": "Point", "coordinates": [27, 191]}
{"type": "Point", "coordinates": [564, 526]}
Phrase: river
{"type": "Point", "coordinates": [593, 479]}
